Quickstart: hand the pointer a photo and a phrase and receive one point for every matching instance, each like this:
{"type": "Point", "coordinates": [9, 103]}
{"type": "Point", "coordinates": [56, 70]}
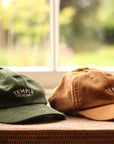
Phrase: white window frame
{"type": "Point", "coordinates": [50, 77]}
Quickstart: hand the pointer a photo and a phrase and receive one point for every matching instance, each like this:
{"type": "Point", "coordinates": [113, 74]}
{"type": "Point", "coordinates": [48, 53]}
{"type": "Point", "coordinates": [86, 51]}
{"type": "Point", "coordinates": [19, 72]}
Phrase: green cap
{"type": "Point", "coordinates": [22, 100]}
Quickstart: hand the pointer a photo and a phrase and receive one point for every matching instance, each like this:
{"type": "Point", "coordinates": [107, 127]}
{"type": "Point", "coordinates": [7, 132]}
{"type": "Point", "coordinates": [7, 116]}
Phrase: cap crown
{"type": "Point", "coordinates": [17, 89]}
{"type": "Point", "coordinates": [82, 89]}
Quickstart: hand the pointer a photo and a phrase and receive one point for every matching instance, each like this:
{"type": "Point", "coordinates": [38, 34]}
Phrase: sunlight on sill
{"type": "Point", "coordinates": [65, 68]}
{"type": "Point", "coordinates": [50, 69]}
{"type": "Point", "coordinates": [29, 68]}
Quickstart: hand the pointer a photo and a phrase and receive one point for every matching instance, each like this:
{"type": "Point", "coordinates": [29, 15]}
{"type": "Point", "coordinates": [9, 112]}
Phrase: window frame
{"type": "Point", "coordinates": [49, 77]}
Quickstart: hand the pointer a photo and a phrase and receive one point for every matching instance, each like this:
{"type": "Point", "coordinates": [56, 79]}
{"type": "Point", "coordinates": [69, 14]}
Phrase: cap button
{"type": "Point", "coordinates": [91, 77]}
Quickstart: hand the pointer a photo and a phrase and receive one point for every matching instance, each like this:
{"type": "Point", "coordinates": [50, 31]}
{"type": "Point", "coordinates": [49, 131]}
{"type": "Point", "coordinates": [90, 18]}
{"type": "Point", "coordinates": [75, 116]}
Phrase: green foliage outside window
{"type": "Point", "coordinates": [87, 29]}
{"type": "Point", "coordinates": [25, 28]}
{"type": "Point", "coordinates": [86, 32]}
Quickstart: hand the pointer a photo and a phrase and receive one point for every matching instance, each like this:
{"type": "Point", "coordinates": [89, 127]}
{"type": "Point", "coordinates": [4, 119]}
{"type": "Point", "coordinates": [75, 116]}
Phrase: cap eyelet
{"type": "Point", "coordinates": [91, 77]}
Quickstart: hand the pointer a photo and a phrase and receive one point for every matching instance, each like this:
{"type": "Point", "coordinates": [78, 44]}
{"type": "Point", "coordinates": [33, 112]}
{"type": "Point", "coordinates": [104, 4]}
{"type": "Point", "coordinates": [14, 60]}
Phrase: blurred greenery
{"type": "Point", "coordinates": [90, 22]}
{"type": "Point", "coordinates": [24, 28]}
{"type": "Point", "coordinates": [24, 57]}
{"type": "Point", "coordinates": [26, 18]}
{"type": "Point", "coordinates": [86, 32]}
{"type": "Point", "coordinates": [105, 14]}
{"type": "Point", "coordinates": [89, 33]}
{"type": "Point", "coordinates": [101, 57]}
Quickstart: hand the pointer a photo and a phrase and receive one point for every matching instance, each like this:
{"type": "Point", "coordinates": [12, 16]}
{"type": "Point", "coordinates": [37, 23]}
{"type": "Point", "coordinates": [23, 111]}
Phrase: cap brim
{"type": "Point", "coordinates": [100, 113]}
{"type": "Point", "coordinates": [28, 113]}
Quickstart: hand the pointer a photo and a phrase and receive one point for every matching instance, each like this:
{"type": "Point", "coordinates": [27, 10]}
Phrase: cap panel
{"type": "Point", "coordinates": [61, 98]}
{"type": "Point", "coordinates": [16, 89]}
{"type": "Point", "coordinates": [75, 94]}
{"type": "Point", "coordinates": [77, 74]}
{"type": "Point", "coordinates": [93, 86]}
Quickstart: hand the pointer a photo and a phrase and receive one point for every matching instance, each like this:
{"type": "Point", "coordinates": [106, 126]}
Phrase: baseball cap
{"type": "Point", "coordinates": [88, 91]}
{"type": "Point", "coordinates": [23, 100]}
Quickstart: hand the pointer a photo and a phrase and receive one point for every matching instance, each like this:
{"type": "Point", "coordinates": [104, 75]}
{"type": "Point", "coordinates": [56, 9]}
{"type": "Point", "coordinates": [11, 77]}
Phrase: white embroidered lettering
{"type": "Point", "coordinates": [110, 91]}
{"type": "Point", "coordinates": [24, 92]}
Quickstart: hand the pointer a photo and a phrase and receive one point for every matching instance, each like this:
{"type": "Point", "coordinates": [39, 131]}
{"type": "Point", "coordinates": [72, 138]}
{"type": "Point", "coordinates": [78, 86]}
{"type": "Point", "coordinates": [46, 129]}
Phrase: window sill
{"type": "Point", "coordinates": [48, 77]}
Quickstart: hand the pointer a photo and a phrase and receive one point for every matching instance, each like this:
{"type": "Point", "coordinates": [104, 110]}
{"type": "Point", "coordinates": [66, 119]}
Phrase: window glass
{"type": "Point", "coordinates": [86, 33]}
{"type": "Point", "coordinates": [24, 32]}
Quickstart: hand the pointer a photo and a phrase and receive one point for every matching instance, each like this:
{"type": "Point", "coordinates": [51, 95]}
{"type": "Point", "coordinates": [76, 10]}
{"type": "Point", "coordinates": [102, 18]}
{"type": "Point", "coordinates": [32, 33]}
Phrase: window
{"type": "Point", "coordinates": [56, 37]}
{"type": "Point", "coordinates": [86, 33]}
{"type": "Point", "coordinates": [25, 33]}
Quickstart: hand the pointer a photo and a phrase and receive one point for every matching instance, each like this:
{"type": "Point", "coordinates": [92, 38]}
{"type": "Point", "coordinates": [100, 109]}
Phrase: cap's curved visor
{"type": "Point", "coordinates": [100, 113]}
{"type": "Point", "coordinates": [37, 112]}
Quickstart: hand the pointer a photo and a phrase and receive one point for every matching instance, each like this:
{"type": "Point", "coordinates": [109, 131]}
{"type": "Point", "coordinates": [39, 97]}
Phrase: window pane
{"type": "Point", "coordinates": [24, 32]}
{"type": "Point", "coordinates": [86, 33]}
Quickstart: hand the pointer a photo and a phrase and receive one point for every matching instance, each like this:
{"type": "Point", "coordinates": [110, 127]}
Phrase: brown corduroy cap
{"type": "Point", "coordinates": [88, 91]}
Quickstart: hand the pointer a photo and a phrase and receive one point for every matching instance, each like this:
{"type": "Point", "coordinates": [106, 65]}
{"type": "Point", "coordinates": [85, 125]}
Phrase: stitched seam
{"type": "Point", "coordinates": [75, 95]}
{"type": "Point", "coordinates": [78, 100]}
{"type": "Point", "coordinates": [74, 99]}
